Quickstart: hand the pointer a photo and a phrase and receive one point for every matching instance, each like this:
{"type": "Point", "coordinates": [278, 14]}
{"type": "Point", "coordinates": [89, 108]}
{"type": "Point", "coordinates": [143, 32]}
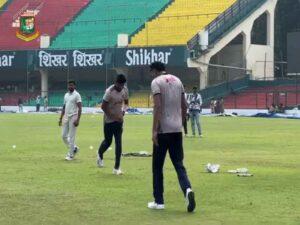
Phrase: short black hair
{"type": "Point", "coordinates": [121, 79]}
{"type": "Point", "coordinates": [195, 88]}
{"type": "Point", "coordinates": [159, 66]}
{"type": "Point", "coordinates": [72, 82]}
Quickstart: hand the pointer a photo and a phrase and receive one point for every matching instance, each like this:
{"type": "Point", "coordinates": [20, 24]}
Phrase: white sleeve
{"type": "Point", "coordinates": [155, 88]}
{"type": "Point", "coordinates": [106, 96]}
{"type": "Point", "coordinates": [78, 98]}
{"type": "Point", "coordinates": [200, 99]}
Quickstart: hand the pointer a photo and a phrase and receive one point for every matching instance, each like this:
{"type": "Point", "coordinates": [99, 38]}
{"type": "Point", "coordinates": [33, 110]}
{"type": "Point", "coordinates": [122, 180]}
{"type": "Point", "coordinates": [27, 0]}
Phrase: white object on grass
{"type": "Point", "coordinates": [239, 170]}
{"type": "Point", "coordinates": [91, 147]}
{"type": "Point", "coordinates": [14, 146]}
{"type": "Point", "coordinates": [212, 168]}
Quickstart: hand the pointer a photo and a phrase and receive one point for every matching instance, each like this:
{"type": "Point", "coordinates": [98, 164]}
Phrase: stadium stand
{"type": "Point", "coordinates": [55, 98]}
{"type": "Point", "coordinates": [140, 99]}
{"type": "Point", "coordinates": [50, 19]}
{"type": "Point", "coordinates": [2, 2]}
{"type": "Point", "coordinates": [12, 98]}
{"type": "Point", "coordinates": [100, 23]}
{"type": "Point", "coordinates": [263, 97]}
{"type": "Point", "coordinates": [179, 22]}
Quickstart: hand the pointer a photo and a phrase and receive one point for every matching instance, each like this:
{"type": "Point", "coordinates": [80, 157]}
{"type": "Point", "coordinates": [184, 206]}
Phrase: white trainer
{"type": "Point", "coordinates": [69, 157]}
{"type": "Point", "coordinates": [117, 171]}
{"type": "Point", "coordinates": [100, 162]}
{"type": "Point", "coordinates": [154, 205]}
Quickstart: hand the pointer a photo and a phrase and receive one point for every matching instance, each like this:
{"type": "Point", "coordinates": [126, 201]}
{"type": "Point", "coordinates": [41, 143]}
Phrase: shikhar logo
{"type": "Point", "coordinates": [141, 57]}
{"type": "Point", "coordinates": [6, 60]}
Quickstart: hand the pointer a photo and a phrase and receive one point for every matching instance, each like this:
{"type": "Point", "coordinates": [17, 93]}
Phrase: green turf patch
{"type": "Point", "coordinates": [38, 187]}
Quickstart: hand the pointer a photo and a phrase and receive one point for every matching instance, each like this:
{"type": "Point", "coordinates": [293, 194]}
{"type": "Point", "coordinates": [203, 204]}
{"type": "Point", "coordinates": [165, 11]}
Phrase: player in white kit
{"type": "Point", "coordinates": [69, 119]}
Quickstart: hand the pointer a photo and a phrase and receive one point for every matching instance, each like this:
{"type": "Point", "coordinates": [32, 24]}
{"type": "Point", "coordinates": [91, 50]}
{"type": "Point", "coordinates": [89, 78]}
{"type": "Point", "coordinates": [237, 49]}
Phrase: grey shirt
{"type": "Point", "coordinates": [171, 89]}
{"type": "Point", "coordinates": [115, 102]}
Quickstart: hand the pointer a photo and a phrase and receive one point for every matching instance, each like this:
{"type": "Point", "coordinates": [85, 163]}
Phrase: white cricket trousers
{"type": "Point", "coordinates": [69, 132]}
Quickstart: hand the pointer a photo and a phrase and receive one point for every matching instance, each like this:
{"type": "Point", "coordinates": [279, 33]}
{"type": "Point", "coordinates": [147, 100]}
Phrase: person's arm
{"type": "Point", "coordinates": [126, 101]}
{"type": "Point", "coordinates": [104, 107]}
{"type": "Point", "coordinates": [126, 106]}
{"type": "Point", "coordinates": [156, 117]}
{"type": "Point", "coordinates": [201, 101]}
{"type": "Point", "coordinates": [62, 115]}
{"type": "Point", "coordinates": [76, 122]}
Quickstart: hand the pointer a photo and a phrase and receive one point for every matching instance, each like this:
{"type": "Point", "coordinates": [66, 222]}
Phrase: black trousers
{"type": "Point", "coordinates": [38, 107]}
{"type": "Point", "coordinates": [112, 129]}
{"type": "Point", "coordinates": [184, 123]}
{"type": "Point", "coordinates": [173, 143]}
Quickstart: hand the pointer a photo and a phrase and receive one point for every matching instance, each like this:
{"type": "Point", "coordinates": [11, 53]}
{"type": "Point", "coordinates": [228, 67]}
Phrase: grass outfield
{"type": "Point", "coordinates": [38, 187]}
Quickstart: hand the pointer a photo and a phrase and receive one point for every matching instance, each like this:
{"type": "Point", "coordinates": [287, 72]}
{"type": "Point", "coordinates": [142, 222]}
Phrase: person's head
{"type": "Point", "coordinates": [195, 90]}
{"type": "Point", "coordinates": [157, 68]}
{"type": "Point", "coordinates": [120, 82]}
{"type": "Point", "coordinates": [71, 85]}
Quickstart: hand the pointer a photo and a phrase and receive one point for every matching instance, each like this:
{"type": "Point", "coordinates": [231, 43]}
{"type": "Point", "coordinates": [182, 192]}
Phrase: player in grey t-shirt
{"type": "Point", "coordinates": [170, 108]}
{"type": "Point", "coordinates": [114, 106]}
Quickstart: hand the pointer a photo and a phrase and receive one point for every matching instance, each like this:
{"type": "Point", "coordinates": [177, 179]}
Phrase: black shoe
{"type": "Point", "coordinates": [76, 150]}
{"type": "Point", "coordinates": [190, 197]}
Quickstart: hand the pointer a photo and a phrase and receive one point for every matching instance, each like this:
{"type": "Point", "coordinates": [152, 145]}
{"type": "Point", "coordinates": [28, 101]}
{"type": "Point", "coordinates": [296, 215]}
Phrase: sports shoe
{"type": "Point", "coordinates": [117, 171]}
{"type": "Point", "coordinates": [190, 198]}
{"type": "Point", "coordinates": [154, 205]}
{"type": "Point", "coordinates": [76, 150]}
{"type": "Point", "coordinates": [69, 157]}
{"type": "Point", "coordinates": [100, 162]}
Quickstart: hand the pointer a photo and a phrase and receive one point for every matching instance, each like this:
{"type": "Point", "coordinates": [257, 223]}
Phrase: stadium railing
{"type": "Point", "coordinates": [226, 21]}
{"type": "Point", "coordinates": [224, 89]}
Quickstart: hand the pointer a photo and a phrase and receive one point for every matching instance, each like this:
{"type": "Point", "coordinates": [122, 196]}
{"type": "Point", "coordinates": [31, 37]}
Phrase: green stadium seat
{"type": "Point", "coordinates": [101, 22]}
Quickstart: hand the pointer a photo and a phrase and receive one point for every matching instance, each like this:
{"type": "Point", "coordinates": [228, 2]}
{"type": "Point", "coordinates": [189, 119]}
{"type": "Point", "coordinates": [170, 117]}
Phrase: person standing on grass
{"type": "Point", "coordinates": [114, 106]}
{"type": "Point", "coordinates": [20, 104]}
{"type": "Point", "coordinates": [0, 104]}
{"type": "Point", "coordinates": [70, 118]}
{"type": "Point", "coordinates": [38, 103]}
{"type": "Point", "coordinates": [45, 104]}
{"type": "Point", "coordinates": [195, 110]}
{"type": "Point", "coordinates": [170, 108]}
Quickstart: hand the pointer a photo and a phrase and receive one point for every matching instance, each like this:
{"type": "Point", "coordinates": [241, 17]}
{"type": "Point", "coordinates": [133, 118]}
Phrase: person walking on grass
{"type": "Point", "coordinates": [70, 118]}
{"type": "Point", "coordinates": [114, 106]}
{"type": "Point", "coordinates": [170, 108]}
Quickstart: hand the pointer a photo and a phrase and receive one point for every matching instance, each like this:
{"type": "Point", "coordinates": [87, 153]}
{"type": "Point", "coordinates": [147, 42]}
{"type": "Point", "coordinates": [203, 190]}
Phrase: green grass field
{"type": "Point", "coordinates": [38, 187]}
